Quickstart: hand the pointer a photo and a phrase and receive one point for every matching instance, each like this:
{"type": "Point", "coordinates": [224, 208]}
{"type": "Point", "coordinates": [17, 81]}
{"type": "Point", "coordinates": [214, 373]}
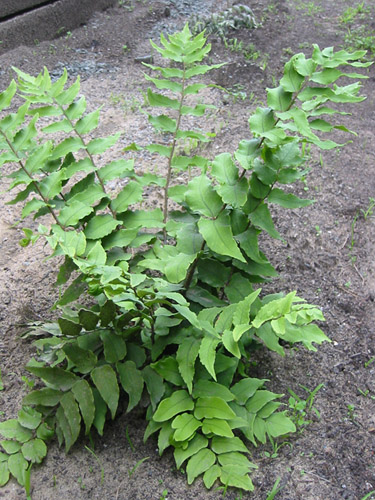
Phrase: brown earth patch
{"type": "Point", "coordinates": [328, 257]}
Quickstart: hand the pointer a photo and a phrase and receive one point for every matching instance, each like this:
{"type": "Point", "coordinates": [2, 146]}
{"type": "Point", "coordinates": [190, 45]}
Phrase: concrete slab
{"type": "Point", "coordinates": [9, 7]}
{"type": "Point", "coordinates": [45, 22]}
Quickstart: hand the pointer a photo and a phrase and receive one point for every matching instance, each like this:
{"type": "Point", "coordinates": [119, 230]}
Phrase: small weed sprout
{"type": "Point", "coordinates": [351, 415]}
{"type": "Point", "coordinates": [140, 462]}
{"type": "Point", "coordinates": [275, 490]}
{"type": "Point", "coordinates": [369, 362]}
{"type": "Point", "coordinates": [276, 447]}
{"type": "Point", "coordinates": [369, 496]}
{"type": "Point", "coordinates": [365, 393]}
{"type": "Point", "coordinates": [128, 439]}
{"type": "Point", "coordinates": [353, 13]}
{"type": "Point", "coordinates": [99, 463]}
{"type": "Point", "coordinates": [233, 44]}
{"type": "Point", "coordinates": [250, 53]}
{"type": "Point", "coordinates": [164, 495]}
{"type": "Point", "coordinates": [300, 408]}
{"type": "Point", "coordinates": [235, 93]}
{"type": "Point", "coordinates": [29, 383]}
{"type": "Point", "coordinates": [311, 8]}
{"type": "Point", "coordinates": [81, 483]}
{"type": "Point", "coordinates": [368, 212]}
{"type": "Point", "coordinates": [352, 228]}
{"type": "Point", "coordinates": [361, 38]}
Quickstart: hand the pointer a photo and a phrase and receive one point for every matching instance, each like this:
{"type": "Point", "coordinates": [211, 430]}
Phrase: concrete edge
{"type": "Point", "coordinates": [10, 7]}
{"type": "Point", "coordinates": [45, 23]}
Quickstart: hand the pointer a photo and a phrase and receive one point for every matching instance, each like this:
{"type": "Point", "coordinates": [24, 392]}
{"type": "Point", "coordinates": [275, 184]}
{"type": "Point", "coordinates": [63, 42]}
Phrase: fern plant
{"type": "Point", "coordinates": [175, 324]}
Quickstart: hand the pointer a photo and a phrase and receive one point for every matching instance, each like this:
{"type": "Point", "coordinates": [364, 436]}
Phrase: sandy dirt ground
{"type": "Point", "coordinates": [327, 255]}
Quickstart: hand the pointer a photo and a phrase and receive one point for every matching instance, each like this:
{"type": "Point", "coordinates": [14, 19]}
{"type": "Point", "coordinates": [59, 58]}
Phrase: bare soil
{"type": "Point", "coordinates": [328, 257]}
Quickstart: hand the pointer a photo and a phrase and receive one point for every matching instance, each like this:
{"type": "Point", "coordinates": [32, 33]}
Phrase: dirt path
{"type": "Point", "coordinates": [328, 258]}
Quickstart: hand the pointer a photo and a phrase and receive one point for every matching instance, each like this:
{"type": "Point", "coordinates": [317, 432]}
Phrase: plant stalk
{"type": "Point", "coordinates": [194, 264]}
{"type": "Point", "coordinates": [174, 141]}
{"type": "Point", "coordinates": [35, 184]}
{"type": "Point", "coordinates": [87, 152]}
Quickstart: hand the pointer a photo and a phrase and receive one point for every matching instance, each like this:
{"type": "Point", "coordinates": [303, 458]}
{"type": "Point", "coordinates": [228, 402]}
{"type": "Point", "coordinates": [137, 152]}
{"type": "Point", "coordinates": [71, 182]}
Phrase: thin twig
{"type": "Point", "coordinates": [359, 274]}
{"type": "Point", "coordinates": [319, 477]}
{"type": "Point", "coordinates": [346, 290]}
